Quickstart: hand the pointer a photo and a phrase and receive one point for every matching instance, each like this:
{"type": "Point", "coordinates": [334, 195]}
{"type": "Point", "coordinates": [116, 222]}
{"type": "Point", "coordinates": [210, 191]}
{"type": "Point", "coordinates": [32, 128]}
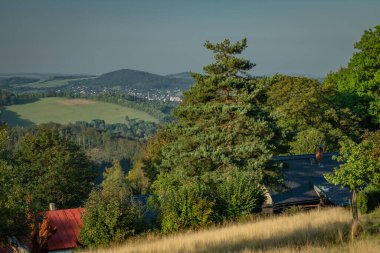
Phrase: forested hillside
{"type": "Point", "coordinates": [209, 163]}
{"type": "Point", "coordinates": [134, 79]}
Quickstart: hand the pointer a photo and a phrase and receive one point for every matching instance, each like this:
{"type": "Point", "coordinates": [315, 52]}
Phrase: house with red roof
{"type": "Point", "coordinates": [68, 223]}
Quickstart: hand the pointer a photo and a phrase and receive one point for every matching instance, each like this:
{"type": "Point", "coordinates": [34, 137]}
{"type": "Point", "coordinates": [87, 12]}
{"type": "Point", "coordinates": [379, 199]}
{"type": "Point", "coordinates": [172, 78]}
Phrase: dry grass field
{"type": "Point", "coordinates": [326, 230]}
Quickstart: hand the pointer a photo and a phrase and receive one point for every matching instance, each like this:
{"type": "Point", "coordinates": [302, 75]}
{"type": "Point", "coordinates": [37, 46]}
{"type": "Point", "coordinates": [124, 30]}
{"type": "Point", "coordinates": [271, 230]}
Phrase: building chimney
{"type": "Point", "coordinates": [319, 155]}
{"type": "Point", "coordinates": [52, 206]}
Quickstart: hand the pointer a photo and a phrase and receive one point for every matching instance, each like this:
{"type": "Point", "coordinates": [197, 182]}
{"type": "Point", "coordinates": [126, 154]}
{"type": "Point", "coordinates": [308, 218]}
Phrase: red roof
{"type": "Point", "coordinates": [68, 222]}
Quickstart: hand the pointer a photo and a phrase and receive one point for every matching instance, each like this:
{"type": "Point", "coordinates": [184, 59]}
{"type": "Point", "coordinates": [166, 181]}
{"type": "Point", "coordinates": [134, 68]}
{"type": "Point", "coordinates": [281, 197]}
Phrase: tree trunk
{"type": "Point", "coordinates": [354, 207]}
{"type": "Point", "coordinates": [356, 228]}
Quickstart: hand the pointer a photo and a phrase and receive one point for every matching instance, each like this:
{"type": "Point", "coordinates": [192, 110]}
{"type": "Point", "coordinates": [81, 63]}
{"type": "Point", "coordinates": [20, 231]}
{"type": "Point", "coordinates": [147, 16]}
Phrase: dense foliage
{"type": "Point", "coordinates": [369, 199]}
{"type": "Point", "coordinates": [307, 115]}
{"type": "Point", "coordinates": [11, 207]}
{"type": "Point", "coordinates": [358, 168]}
{"type": "Point", "coordinates": [220, 135]}
{"type": "Point", "coordinates": [101, 142]}
{"type": "Point", "coordinates": [358, 84]}
{"type": "Point", "coordinates": [111, 213]}
{"type": "Point", "coordinates": [49, 167]}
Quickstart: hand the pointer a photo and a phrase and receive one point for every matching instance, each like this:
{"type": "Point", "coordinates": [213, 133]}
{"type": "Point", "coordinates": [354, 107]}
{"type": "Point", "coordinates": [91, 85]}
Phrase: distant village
{"type": "Point", "coordinates": [164, 95]}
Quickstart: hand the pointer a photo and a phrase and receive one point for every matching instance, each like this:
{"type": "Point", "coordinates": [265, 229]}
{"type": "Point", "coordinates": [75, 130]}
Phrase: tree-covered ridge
{"type": "Point", "coordinates": [134, 79]}
{"type": "Point", "coordinates": [9, 82]}
{"type": "Point", "coordinates": [102, 142]}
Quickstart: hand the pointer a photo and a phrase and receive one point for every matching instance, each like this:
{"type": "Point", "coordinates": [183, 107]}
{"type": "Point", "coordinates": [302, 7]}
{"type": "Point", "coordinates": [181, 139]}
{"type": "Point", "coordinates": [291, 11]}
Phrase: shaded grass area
{"type": "Point", "coordinates": [371, 222]}
{"type": "Point", "coordinates": [325, 230]}
{"type": "Point", "coordinates": [60, 110]}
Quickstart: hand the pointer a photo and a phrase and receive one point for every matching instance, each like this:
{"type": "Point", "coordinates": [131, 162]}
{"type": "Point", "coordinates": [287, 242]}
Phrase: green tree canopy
{"type": "Point", "coordinates": [12, 210]}
{"type": "Point", "coordinates": [220, 125]}
{"type": "Point", "coordinates": [359, 83]}
{"type": "Point", "coordinates": [306, 112]}
{"type": "Point", "coordinates": [52, 169]}
{"type": "Point", "coordinates": [358, 169]}
{"type": "Point", "coordinates": [219, 128]}
{"type": "Point", "coordinates": [111, 215]}
{"type": "Point", "coordinates": [295, 102]}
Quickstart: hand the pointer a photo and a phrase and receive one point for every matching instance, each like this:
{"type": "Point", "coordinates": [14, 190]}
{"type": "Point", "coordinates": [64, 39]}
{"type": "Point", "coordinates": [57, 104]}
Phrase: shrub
{"type": "Point", "coordinates": [111, 213]}
{"type": "Point", "coordinates": [187, 205]}
{"type": "Point", "coordinates": [369, 199]}
{"type": "Point", "coordinates": [238, 194]}
{"type": "Point", "coordinates": [307, 141]}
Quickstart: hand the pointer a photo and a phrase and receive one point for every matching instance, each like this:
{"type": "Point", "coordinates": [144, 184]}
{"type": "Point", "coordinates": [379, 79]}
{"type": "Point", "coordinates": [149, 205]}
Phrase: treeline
{"type": "Point", "coordinates": [158, 109]}
{"type": "Point", "coordinates": [10, 82]}
{"type": "Point", "coordinates": [100, 141]}
{"type": "Point", "coordinates": [7, 98]}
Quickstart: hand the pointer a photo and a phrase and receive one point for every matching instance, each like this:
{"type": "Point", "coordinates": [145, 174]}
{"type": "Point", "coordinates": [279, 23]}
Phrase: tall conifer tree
{"type": "Point", "coordinates": [219, 133]}
{"type": "Point", "coordinates": [220, 125]}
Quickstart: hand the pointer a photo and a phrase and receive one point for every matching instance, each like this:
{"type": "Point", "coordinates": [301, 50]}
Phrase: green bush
{"type": "Point", "coordinates": [111, 214]}
{"type": "Point", "coordinates": [238, 195]}
{"type": "Point", "coordinates": [187, 205]}
{"type": "Point", "coordinates": [307, 141]}
{"type": "Point", "coordinates": [369, 199]}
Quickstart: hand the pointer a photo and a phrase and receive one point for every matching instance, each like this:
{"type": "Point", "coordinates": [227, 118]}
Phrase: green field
{"type": "Point", "coordinates": [63, 110]}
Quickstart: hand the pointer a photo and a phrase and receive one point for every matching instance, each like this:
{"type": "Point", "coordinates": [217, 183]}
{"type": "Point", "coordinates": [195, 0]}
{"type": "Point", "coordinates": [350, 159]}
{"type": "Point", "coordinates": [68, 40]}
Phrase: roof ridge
{"type": "Point", "coordinates": [301, 156]}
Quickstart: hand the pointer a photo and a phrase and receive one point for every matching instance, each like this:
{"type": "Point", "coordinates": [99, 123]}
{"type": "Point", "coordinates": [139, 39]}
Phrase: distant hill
{"type": "Point", "coordinates": [140, 80]}
{"type": "Point", "coordinates": [44, 76]}
{"type": "Point", "coordinates": [183, 75]}
{"type": "Point", "coordinates": [16, 81]}
{"type": "Point", "coordinates": [8, 82]}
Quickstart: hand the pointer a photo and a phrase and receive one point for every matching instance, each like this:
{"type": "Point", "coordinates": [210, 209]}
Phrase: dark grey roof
{"type": "Point", "coordinates": [305, 181]}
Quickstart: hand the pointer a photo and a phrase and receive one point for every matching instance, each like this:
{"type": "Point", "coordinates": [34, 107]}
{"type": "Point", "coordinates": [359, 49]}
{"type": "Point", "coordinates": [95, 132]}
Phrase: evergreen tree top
{"type": "Point", "coordinates": [225, 78]}
{"type": "Point", "coordinates": [226, 63]}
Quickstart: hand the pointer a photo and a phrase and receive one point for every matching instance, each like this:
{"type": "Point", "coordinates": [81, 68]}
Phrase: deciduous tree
{"type": "Point", "coordinates": [359, 83]}
{"type": "Point", "coordinates": [111, 214]}
{"type": "Point", "coordinates": [357, 169]}
{"type": "Point", "coordinates": [52, 169]}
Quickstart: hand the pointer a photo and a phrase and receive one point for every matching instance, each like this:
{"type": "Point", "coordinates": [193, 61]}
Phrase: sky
{"type": "Point", "coordinates": [167, 36]}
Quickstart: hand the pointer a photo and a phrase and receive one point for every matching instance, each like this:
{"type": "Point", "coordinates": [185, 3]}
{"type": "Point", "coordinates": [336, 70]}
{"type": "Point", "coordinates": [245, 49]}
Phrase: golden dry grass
{"type": "Point", "coordinates": [316, 231]}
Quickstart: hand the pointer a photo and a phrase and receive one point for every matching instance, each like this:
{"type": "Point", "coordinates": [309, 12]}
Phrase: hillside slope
{"type": "Point", "coordinates": [134, 79]}
{"type": "Point", "coordinates": [316, 231]}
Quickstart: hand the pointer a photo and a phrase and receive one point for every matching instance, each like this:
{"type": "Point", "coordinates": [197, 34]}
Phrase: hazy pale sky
{"type": "Point", "coordinates": [167, 36]}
